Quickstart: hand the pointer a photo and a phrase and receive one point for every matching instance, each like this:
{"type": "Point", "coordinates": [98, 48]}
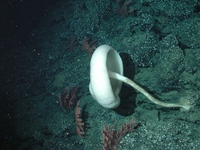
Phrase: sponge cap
{"type": "Point", "coordinates": [105, 90]}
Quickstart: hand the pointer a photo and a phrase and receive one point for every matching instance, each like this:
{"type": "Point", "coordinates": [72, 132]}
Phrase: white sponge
{"type": "Point", "coordinates": [106, 77]}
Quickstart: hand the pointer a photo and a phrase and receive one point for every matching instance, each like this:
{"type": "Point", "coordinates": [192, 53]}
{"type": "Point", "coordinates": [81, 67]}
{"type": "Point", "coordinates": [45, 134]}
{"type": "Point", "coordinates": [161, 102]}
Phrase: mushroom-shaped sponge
{"type": "Point", "coordinates": [106, 77]}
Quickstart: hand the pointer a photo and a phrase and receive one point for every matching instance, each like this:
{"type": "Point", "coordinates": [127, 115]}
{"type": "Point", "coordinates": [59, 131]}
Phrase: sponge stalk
{"type": "Point", "coordinates": [144, 92]}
